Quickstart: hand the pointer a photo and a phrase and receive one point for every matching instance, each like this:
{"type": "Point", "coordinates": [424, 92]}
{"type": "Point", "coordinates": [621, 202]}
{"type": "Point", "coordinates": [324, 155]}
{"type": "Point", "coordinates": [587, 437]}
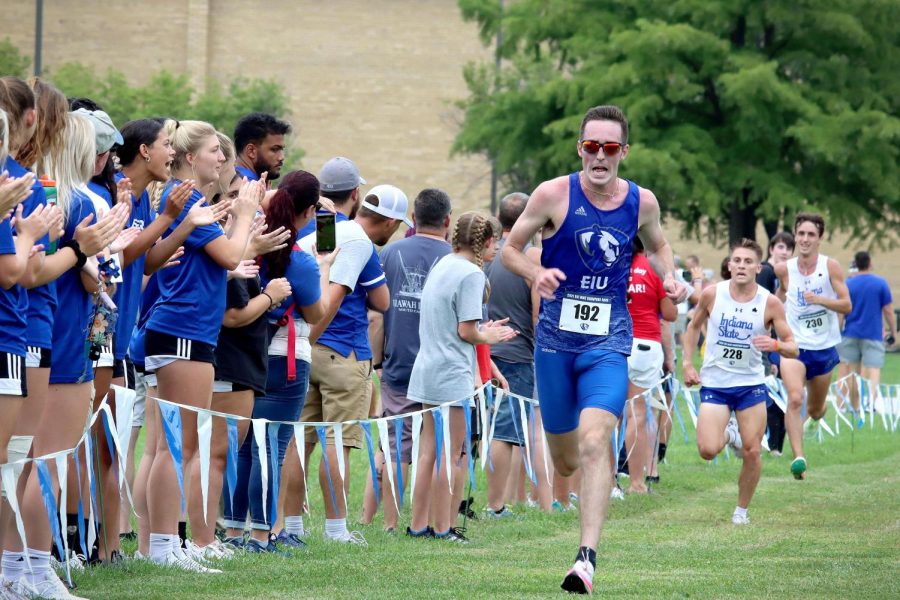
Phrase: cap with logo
{"type": "Point", "coordinates": [392, 203]}
{"type": "Point", "coordinates": [105, 133]}
{"type": "Point", "coordinates": [339, 175]}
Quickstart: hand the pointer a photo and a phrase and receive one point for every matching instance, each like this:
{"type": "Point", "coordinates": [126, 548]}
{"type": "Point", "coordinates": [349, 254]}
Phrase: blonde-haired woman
{"type": "Point", "coordinates": [68, 401]}
{"type": "Point", "coordinates": [445, 367]}
{"type": "Point", "coordinates": [183, 327]}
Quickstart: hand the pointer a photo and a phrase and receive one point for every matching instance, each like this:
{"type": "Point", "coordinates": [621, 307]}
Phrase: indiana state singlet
{"type": "Point", "coordinates": [730, 358]}
{"type": "Point", "coordinates": [814, 326]}
{"type": "Point", "coordinates": [593, 248]}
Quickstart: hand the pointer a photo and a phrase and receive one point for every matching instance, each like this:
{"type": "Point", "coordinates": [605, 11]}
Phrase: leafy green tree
{"type": "Point", "coordinates": [740, 110]}
{"type": "Point", "coordinates": [12, 62]}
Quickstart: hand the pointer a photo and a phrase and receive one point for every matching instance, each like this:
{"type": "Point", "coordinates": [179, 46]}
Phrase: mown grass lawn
{"type": "Point", "coordinates": [837, 534]}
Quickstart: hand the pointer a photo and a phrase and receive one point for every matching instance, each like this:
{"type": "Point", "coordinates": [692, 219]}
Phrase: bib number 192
{"type": "Point", "coordinates": [587, 315]}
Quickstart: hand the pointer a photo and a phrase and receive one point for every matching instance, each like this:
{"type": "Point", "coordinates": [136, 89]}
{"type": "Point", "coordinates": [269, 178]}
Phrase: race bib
{"type": "Point", "coordinates": [815, 323]}
{"type": "Point", "coordinates": [585, 314]}
{"type": "Point", "coordinates": [733, 355]}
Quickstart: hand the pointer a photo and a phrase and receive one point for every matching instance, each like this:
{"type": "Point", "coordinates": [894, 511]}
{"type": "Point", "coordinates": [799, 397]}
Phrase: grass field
{"type": "Point", "coordinates": [837, 534]}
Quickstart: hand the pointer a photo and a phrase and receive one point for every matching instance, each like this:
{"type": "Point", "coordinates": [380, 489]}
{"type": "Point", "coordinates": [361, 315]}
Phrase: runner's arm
{"type": "Point", "coordinates": [535, 216]}
{"type": "Point", "coordinates": [691, 335]}
{"type": "Point", "coordinates": [786, 346]}
{"type": "Point", "coordinates": [782, 275]}
{"type": "Point", "coordinates": [658, 250]}
{"type": "Point", "coordinates": [842, 303]}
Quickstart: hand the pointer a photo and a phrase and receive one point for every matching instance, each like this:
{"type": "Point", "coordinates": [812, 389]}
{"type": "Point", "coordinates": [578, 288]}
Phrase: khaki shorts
{"type": "Point", "coordinates": [338, 391]}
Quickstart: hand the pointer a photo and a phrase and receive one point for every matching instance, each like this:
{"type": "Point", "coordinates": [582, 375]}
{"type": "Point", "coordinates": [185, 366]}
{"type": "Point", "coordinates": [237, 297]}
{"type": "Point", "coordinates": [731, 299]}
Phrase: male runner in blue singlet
{"type": "Point", "coordinates": [583, 337]}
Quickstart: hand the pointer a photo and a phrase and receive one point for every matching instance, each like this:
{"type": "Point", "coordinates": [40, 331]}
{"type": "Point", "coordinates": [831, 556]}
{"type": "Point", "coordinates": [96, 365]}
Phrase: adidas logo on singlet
{"type": "Point", "coordinates": [580, 211]}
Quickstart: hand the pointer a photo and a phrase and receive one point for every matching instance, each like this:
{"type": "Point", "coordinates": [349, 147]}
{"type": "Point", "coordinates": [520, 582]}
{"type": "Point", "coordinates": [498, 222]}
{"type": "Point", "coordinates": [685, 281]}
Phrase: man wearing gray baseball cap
{"type": "Point", "coordinates": [105, 133]}
{"type": "Point", "coordinates": [339, 181]}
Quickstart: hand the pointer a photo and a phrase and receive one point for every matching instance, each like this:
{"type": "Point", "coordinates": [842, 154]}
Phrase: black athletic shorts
{"type": "Point", "coordinates": [12, 375]}
{"type": "Point", "coordinates": [161, 349]}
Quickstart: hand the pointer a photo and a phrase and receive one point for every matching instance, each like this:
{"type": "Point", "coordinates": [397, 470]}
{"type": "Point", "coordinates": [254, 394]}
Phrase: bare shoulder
{"type": "Point", "coordinates": [648, 205]}
{"type": "Point", "coordinates": [773, 303]}
{"type": "Point", "coordinates": [834, 267]}
{"type": "Point", "coordinates": [781, 269]}
{"type": "Point", "coordinates": [550, 190]}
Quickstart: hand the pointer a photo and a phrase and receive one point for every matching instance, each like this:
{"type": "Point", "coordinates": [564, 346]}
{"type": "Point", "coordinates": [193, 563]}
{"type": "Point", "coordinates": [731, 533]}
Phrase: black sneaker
{"type": "Point", "coordinates": [465, 508]}
{"type": "Point", "coordinates": [651, 479]}
{"type": "Point", "coordinates": [428, 532]}
{"type": "Point", "coordinates": [454, 534]}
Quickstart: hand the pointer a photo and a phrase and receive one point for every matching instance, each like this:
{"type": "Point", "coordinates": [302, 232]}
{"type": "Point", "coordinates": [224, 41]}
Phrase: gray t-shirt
{"type": "Point", "coordinates": [511, 297]}
{"type": "Point", "coordinates": [444, 370]}
{"type": "Point", "coordinates": [406, 264]}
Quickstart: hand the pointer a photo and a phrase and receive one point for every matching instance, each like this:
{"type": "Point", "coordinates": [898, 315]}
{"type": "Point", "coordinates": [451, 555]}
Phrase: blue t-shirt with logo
{"type": "Point", "coordinates": [74, 310]}
{"type": "Point", "coordinates": [38, 304]}
{"type": "Point", "coordinates": [869, 293]}
{"type": "Point", "coordinates": [406, 264]}
{"type": "Point", "coordinates": [128, 293]}
{"type": "Point", "coordinates": [191, 302]}
{"type": "Point", "coordinates": [12, 316]}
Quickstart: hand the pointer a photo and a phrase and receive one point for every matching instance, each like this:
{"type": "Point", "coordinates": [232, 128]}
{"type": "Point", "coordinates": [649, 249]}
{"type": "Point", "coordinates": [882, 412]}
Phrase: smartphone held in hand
{"type": "Point", "coordinates": [325, 233]}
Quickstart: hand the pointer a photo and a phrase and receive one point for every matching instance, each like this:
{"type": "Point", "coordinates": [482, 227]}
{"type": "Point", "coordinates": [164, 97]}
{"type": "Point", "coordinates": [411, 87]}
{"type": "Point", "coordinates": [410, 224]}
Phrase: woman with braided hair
{"type": "Point", "coordinates": [445, 367]}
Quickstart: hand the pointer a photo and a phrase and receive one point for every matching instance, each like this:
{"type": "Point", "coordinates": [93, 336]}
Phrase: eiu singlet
{"type": "Point", "coordinates": [593, 248]}
{"type": "Point", "coordinates": [815, 327]}
{"type": "Point", "coordinates": [730, 358]}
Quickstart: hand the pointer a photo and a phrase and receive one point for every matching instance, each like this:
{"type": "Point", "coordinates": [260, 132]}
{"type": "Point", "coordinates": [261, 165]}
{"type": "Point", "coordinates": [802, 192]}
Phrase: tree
{"type": "Point", "coordinates": [12, 62]}
{"type": "Point", "coordinates": [740, 110]}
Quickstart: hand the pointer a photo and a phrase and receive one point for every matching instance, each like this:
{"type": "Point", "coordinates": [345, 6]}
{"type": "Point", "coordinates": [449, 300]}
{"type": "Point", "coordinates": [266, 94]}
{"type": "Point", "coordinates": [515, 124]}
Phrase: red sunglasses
{"type": "Point", "coordinates": [593, 147]}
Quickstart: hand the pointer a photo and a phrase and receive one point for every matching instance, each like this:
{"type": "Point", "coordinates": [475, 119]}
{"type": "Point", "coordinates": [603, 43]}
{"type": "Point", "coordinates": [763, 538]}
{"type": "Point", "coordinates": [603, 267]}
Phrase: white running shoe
{"type": "Point", "coordinates": [202, 555]}
{"type": "Point", "coordinates": [184, 563]}
{"type": "Point", "coordinates": [76, 562]}
{"type": "Point", "coordinates": [580, 578]}
{"type": "Point", "coordinates": [224, 550]}
{"type": "Point", "coordinates": [617, 493]}
{"type": "Point", "coordinates": [9, 590]}
{"type": "Point", "coordinates": [733, 435]}
{"type": "Point", "coordinates": [50, 588]}
{"type": "Point", "coordinates": [349, 537]}
{"type": "Point", "coordinates": [740, 519]}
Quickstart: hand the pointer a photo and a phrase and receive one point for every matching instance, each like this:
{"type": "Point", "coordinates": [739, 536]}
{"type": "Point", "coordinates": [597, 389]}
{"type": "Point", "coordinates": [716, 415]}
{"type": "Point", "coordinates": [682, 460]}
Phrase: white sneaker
{"type": "Point", "coordinates": [202, 554]}
{"type": "Point", "coordinates": [9, 590]}
{"type": "Point", "coordinates": [617, 493]}
{"type": "Point", "coordinates": [733, 435]}
{"type": "Point", "coordinates": [76, 562]}
{"type": "Point", "coordinates": [50, 588]}
{"type": "Point", "coordinates": [740, 519]}
{"type": "Point", "coordinates": [184, 563]}
{"type": "Point", "coordinates": [580, 578]}
{"type": "Point", "coordinates": [224, 550]}
{"type": "Point", "coordinates": [349, 537]}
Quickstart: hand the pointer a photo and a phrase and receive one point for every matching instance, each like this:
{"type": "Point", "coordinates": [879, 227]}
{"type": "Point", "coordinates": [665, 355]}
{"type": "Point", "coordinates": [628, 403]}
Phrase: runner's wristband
{"type": "Point", "coordinates": [776, 345]}
{"type": "Point", "coordinates": [80, 256]}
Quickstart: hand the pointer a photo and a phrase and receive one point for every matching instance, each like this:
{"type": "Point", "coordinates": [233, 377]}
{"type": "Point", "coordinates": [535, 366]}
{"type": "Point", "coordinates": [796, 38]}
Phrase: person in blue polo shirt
{"type": "Point", "coordinates": [259, 140]}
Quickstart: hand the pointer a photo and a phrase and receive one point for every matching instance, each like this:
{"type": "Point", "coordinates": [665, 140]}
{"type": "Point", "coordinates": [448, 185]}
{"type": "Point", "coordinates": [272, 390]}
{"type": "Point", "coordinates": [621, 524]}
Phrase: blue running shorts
{"type": "Point", "coordinates": [819, 362]}
{"type": "Point", "coordinates": [569, 382]}
{"type": "Point", "coordinates": [736, 398]}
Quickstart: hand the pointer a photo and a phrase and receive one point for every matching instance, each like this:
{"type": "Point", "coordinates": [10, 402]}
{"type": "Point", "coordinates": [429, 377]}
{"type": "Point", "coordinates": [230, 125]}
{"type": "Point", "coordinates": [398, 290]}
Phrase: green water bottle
{"type": "Point", "coordinates": [50, 193]}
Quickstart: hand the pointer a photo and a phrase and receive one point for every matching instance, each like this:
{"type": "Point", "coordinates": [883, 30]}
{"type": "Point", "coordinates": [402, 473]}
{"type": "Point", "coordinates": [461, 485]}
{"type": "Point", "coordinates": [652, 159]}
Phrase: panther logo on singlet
{"type": "Point", "coordinates": [600, 248]}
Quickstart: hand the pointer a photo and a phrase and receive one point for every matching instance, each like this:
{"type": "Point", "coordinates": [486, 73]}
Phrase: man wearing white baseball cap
{"type": "Point", "coordinates": [382, 211]}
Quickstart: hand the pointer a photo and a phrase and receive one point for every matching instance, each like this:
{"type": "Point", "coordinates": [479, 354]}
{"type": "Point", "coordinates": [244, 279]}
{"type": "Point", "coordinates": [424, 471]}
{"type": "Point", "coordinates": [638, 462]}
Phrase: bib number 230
{"type": "Point", "coordinates": [585, 314]}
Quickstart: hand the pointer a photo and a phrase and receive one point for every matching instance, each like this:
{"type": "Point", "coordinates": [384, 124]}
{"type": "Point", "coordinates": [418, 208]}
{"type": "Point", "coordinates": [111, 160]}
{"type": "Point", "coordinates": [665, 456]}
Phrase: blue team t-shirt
{"type": "Point", "coordinates": [72, 321]}
{"type": "Point", "coordinates": [102, 190]}
{"type": "Point", "coordinates": [38, 304]}
{"type": "Point", "coordinates": [869, 293]}
{"type": "Point", "coordinates": [303, 274]}
{"type": "Point", "coordinates": [245, 172]}
{"type": "Point", "coordinates": [147, 300]}
{"type": "Point", "coordinates": [191, 302]}
{"type": "Point", "coordinates": [12, 317]}
{"type": "Point", "coordinates": [128, 293]}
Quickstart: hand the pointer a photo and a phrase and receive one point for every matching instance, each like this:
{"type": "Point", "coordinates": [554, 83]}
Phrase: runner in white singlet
{"type": "Point", "coordinates": [740, 315]}
{"type": "Point", "coordinates": [814, 291]}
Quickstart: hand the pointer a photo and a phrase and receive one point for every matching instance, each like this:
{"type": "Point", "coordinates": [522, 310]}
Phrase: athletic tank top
{"type": "Point", "coordinates": [593, 248]}
{"type": "Point", "coordinates": [814, 326]}
{"type": "Point", "coordinates": [730, 358]}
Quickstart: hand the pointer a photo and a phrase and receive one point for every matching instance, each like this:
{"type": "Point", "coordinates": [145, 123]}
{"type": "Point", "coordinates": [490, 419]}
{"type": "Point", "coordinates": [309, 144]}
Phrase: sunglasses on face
{"type": "Point", "coordinates": [593, 147]}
